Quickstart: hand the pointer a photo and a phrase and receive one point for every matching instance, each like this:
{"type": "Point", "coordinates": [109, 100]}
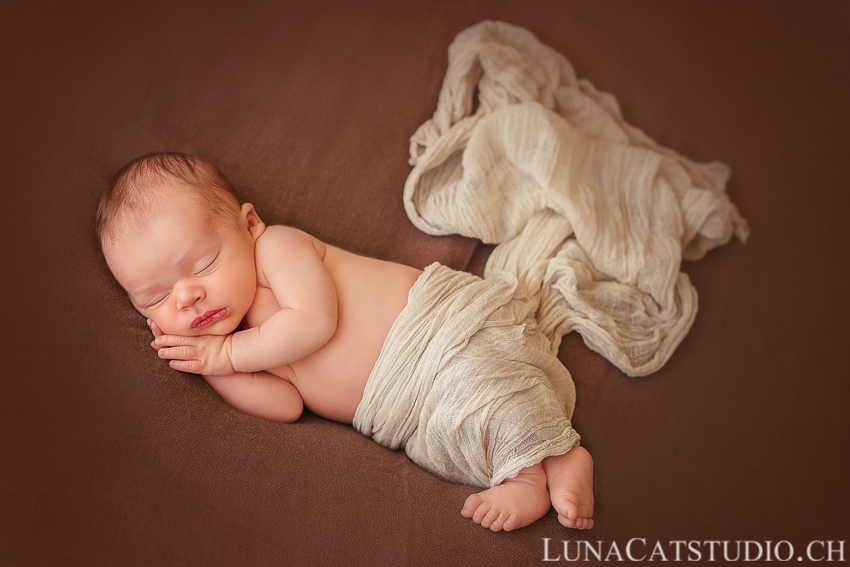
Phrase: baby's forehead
{"type": "Point", "coordinates": [172, 227]}
{"type": "Point", "coordinates": [168, 196]}
{"type": "Point", "coordinates": [130, 220]}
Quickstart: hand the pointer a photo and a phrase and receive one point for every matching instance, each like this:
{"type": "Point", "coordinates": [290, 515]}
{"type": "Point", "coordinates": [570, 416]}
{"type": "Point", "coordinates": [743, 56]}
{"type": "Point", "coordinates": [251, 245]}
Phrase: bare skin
{"type": "Point", "coordinates": [370, 295]}
{"type": "Point", "coordinates": [565, 481]}
{"type": "Point", "coordinates": [276, 320]}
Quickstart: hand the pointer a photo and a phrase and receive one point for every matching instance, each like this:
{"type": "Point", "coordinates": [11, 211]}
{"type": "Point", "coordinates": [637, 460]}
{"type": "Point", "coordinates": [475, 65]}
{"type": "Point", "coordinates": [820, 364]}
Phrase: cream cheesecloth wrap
{"type": "Point", "coordinates": [465, 382]}
{"type": "Point", "coordinates": [592, 215]}
{"type": "Point", "coordinates": [592, 219]}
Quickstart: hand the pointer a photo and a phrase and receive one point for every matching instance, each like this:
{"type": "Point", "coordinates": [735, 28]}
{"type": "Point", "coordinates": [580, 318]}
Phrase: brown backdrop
{"type": "Point", "coordinates": [107, 457]}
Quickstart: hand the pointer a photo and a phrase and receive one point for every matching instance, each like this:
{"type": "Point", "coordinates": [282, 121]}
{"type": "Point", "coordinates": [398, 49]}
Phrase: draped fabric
{"type": "Point", "coordinates": [590, 215]}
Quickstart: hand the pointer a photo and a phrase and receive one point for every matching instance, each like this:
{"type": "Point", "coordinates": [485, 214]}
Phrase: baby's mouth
{"type": "Point", "coordinates": [208, 318]}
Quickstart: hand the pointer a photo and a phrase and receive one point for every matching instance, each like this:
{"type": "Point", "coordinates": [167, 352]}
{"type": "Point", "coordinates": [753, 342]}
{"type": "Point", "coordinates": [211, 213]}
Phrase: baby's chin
{"type": "Point", "coordinates": [224, 327]}
{"type": "Point", "coordinates": [218, 328]}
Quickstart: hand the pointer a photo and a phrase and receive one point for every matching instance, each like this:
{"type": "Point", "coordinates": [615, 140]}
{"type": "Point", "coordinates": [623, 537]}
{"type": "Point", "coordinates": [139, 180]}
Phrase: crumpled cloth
{"type": "Point", "coordinates": [590, 215]}
{"type": "Point", "coordinates": [465, 382]}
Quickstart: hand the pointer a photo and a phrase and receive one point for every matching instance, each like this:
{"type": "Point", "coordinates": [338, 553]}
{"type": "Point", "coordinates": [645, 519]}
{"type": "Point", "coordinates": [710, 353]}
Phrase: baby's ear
{"type": "Point", "coordinates": [251, 220]}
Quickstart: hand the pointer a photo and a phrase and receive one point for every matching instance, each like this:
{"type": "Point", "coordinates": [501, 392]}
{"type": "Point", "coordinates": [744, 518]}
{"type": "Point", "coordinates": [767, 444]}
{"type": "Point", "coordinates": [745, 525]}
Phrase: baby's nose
{"type": "Point", "coordinates": [189, 295]}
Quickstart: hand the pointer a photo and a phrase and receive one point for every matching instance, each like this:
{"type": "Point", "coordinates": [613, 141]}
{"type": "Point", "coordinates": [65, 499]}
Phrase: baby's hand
{"type": "Point", "coordinates": [154, 329]}
{"type": "Point", "coordinates": [206, 354]}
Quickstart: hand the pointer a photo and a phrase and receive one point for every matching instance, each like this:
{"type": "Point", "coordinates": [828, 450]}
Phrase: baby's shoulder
{"type": "Point", "coordinates": [277, 240]}
{"type": "Point", "coordinates": [281, 233]}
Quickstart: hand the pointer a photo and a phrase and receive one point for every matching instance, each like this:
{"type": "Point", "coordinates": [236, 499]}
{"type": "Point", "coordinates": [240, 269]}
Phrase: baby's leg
{"type": "Point", "coordinates": [570, 480]}
{"type": "Point", "coordinates": [513, 504]}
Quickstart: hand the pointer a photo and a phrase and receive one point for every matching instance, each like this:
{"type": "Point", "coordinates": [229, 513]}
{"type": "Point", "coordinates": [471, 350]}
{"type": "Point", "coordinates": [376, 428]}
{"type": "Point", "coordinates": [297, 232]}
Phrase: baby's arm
{"type": "Point", "coordinates": [259, 393]}
{"type": "Point", "coordinates": [256, 393]}
{"type": "Point", "coordinates": [291, 265]}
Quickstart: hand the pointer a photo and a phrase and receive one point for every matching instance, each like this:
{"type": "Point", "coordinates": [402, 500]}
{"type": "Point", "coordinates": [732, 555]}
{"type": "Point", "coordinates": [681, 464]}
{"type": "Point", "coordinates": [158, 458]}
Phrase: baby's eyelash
{"type": "Point", "coordinates": [158, 301]}
{"type": "Point", "coordinates": [207, 267]}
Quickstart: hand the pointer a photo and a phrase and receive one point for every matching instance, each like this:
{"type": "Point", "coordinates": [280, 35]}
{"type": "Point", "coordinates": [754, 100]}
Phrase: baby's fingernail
{"type": "Point", "coordinates": [161, 353]}
{"type": "Point", "coordinates": [157, 340]}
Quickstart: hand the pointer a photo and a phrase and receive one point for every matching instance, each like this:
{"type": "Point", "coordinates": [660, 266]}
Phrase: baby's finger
{"type": "Point", "coordinates": [175, 340]}
{"type": "Point", "coordinates": [192, 366]}
{"type": "Point", "coordinates": [178, 353]}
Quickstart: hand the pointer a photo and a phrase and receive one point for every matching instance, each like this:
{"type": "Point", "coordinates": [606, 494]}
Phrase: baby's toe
{"type": "Point", "coordinates": [503, 522]}
{"type": "Point", "coordinates": [481, 512]}
{"type": "Point", "coordinates": [566, 522]}
{"type": "Point", "coordinates": [569, 512]}
{"type": "Point", "coordinates": [471, 505]}
{"type": "Point", "coordinates": [490, 517]}
{"type": "Point", "coordinates": [497, 523]}
{"type": "Point", "coordinates": [577, 523]}
{"type": "Point", "coordinates": [511, 523]}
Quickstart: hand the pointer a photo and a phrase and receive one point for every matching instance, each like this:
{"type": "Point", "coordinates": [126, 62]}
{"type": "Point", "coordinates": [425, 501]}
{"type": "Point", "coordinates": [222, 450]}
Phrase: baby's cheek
{"type": "Point", "coordinates": [160, 326]}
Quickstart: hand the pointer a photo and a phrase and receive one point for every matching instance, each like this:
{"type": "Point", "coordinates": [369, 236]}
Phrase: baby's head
{"type": "Point", "coordinates": [178, 241]}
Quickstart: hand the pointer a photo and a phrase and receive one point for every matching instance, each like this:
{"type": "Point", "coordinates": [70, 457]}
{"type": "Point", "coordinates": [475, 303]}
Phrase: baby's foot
{"type": "Point", "coordinates": [513, 504]}
{"type": "Point", "coordinates": [570, 479]}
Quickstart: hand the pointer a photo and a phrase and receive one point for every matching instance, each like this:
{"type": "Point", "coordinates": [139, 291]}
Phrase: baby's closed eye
{"type": "Point", "coordinates": [157, 301]}
{"type": "Point", "coordinates": [208, 268]}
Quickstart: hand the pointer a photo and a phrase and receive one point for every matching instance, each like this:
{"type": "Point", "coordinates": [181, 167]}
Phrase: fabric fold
{"type": "Point", "coordinates": [465, 382]}
{"type": "Point", "coordinates": [590, 215]}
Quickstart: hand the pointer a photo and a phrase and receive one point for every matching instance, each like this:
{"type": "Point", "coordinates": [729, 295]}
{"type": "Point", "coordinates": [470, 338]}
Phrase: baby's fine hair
{"type": "Point", "coordinates": [131, 188]}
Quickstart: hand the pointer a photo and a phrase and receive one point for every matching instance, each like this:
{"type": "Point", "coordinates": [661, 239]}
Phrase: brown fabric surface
{"type": "Point", "coordinates": [107, 457]}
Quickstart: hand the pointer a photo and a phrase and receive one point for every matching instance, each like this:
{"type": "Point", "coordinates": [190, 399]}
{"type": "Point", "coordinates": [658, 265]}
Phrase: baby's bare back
{"type": "Point", "coordinates": [370, 295]}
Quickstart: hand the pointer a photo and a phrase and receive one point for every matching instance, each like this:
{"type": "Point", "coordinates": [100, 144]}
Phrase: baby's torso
{"type": "Point", "coordinates": [370, 295]}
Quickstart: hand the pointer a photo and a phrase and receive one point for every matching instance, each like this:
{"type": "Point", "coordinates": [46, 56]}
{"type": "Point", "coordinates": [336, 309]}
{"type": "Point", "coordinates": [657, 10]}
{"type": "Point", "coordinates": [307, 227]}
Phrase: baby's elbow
{"type": "Point", "coordinates": [326, 326]}
{"type": "Point", "coordinates": [286, 413]}
{"type": "Point", "coordinates": [294, 412]}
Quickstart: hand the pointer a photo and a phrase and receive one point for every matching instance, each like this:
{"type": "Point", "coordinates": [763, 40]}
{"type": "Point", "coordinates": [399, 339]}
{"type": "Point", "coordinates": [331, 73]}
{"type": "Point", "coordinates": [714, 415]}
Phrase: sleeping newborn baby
{"type": "Point", "coordinates": [276, 320]}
